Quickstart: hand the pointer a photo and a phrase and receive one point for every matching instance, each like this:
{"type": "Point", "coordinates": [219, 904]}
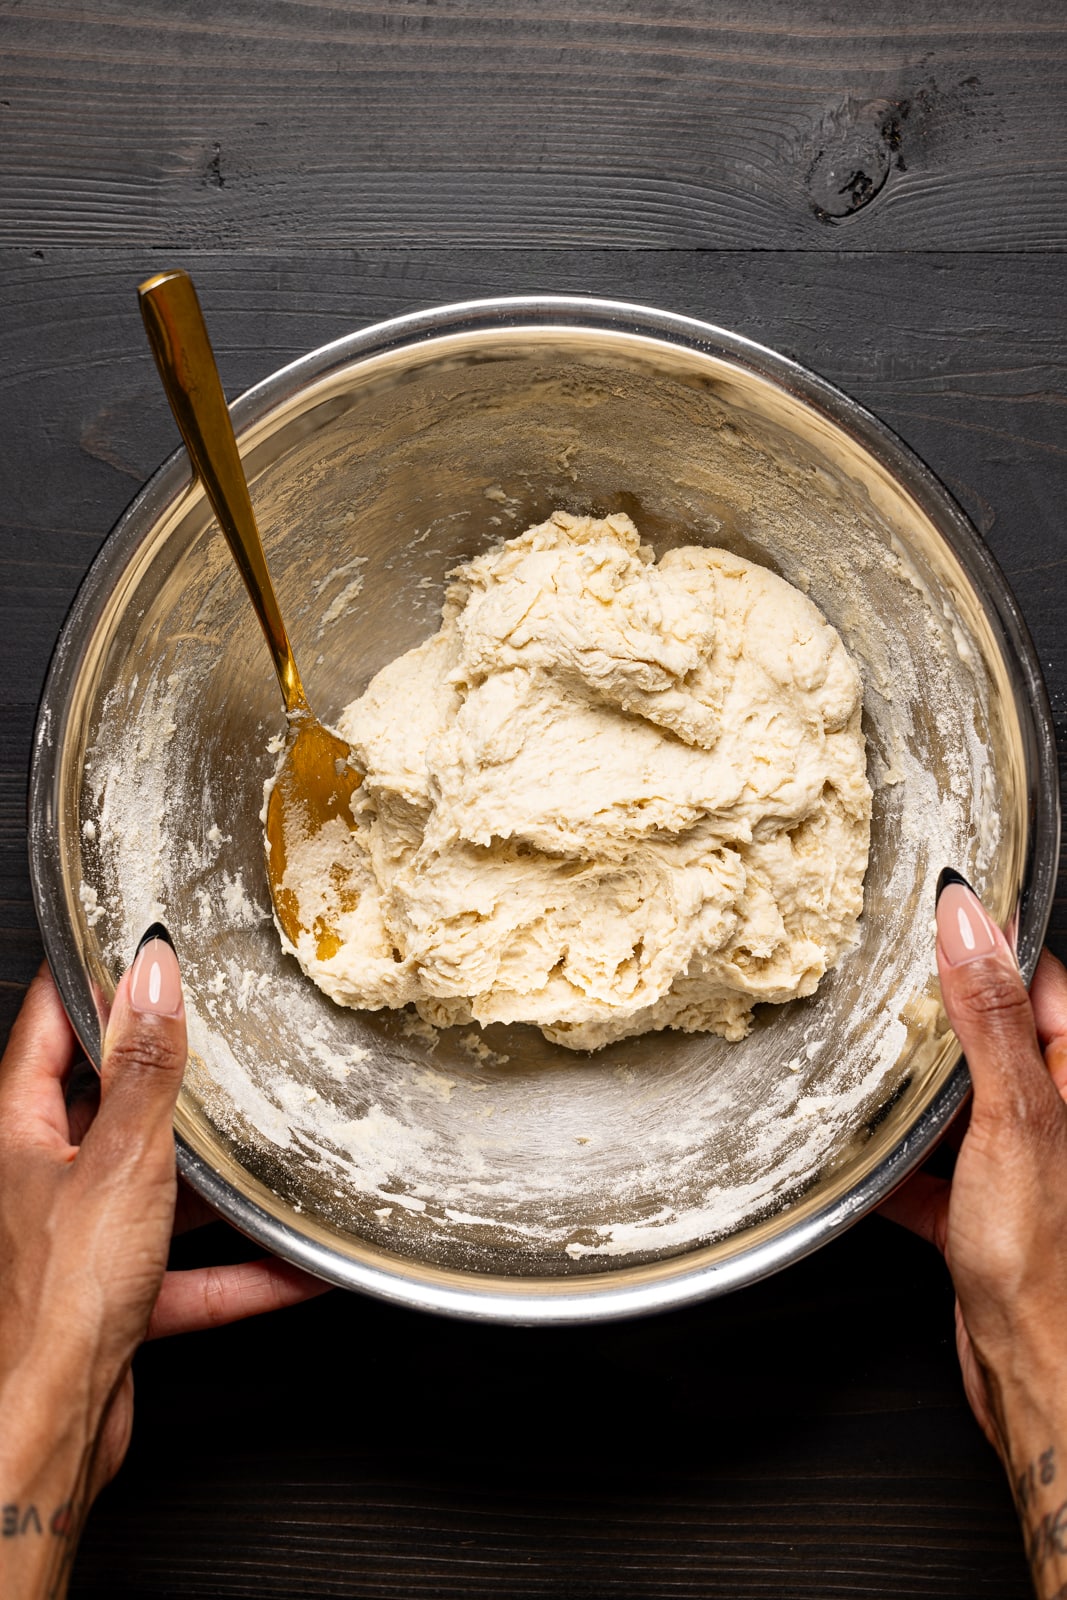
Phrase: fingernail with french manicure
{"type": "Point", "coordinates": [155, 982]}
{"type": "Point", "coordinates": [964, 929]}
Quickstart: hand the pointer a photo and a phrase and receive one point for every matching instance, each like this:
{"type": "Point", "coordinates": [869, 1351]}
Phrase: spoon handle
{"type": "Point", "coordinates": [186, 362]}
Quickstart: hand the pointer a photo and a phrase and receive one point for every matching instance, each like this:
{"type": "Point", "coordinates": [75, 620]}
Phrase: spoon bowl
{"type": "Point", "coordinates": [314, 783]}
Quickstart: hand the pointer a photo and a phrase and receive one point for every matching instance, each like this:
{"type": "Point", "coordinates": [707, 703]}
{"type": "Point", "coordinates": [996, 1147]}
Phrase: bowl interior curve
{"type": "Point", "coordinates": [461, 1158]}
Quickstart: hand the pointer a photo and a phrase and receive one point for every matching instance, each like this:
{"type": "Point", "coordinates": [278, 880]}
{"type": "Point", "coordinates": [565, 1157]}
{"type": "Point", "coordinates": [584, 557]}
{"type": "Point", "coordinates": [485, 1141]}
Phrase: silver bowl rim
{"type": "Point", "coordinates": [589, 1297]}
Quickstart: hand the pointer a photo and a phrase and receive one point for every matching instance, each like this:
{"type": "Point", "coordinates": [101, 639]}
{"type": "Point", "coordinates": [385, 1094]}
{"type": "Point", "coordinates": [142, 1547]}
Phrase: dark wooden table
{"type": "Point", "coordinates": [877, 190]}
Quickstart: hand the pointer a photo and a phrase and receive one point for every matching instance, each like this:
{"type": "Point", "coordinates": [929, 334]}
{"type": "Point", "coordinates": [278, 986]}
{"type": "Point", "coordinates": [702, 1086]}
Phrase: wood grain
{"type": "Point", "coordinates": [653, 124]}
{"type": "Point", "coordinates": [963, 356]}
{"type": "Point", "coordinates": [804, 1438]}
{"type": "Point", "coordinates": [877, 192]}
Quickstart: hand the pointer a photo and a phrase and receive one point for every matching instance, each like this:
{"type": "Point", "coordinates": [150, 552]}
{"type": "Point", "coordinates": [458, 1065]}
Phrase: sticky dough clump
{"type": "Point", "coordinates": [610, 795]}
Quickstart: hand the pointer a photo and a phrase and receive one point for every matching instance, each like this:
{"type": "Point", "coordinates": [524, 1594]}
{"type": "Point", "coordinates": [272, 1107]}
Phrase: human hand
{"type": "Point", "coordinates": [86, 1216]}
{"type": "Point", "coordinates": [1001, 1221]}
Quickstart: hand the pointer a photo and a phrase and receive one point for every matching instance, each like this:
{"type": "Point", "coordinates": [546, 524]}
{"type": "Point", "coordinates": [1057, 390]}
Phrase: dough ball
{"type": "Point", "coordinates": [610, 795]}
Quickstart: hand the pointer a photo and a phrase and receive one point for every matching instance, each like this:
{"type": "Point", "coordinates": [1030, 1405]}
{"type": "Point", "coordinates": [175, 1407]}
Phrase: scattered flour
{"type": "Point", "coordinates": [94, 911]}
{"type": "Point", "coordinates": [385, 1115]}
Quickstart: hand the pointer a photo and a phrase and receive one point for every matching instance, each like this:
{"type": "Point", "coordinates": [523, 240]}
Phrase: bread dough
{"type": "Point", "coordinates": [609, 795]}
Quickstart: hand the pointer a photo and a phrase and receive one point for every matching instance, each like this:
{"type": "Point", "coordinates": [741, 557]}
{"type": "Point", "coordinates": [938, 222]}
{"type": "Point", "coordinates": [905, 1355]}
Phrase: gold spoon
{"type": "Point", "coordinates": [316, 778]}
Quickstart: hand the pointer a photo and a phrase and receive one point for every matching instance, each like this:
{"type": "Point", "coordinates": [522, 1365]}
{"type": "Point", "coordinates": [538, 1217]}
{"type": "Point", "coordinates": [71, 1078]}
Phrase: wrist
{"type": "Point", "coordinates": [48, 1425]}
{"type": "Point", "coordinates": [58, 1372]}
{"type": "Point", "coordinates": [1029, 1402]}
{"type": "Point", "coordinates": [47, 1441]}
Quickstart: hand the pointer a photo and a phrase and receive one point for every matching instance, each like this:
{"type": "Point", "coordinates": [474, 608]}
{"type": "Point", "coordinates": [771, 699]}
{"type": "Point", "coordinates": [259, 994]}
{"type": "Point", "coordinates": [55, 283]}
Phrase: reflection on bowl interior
{"type": "Point", "coordinates": [499, 1153]}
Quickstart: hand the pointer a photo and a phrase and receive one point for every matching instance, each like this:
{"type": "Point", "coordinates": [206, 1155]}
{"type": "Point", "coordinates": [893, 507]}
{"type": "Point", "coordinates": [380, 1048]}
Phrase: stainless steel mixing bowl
{"type": "Point", "coordinates": [496, 1176]}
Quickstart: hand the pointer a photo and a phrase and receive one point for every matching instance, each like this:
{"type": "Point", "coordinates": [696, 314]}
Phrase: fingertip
{"type": "Point", "coordinates": [920, 1204]}
{"type": "Point", "coordinates": [209, 1297]}
{"type": "Point", "coordinates": [981, 985]}
{"type": "Point", "coordinates": [41, 1035]}
{"type": "Point", "coordinates": [1048, 992]}
{"type": "Point", "coordinates": [965, 930]}
{"type": "Point", "coordinates": [1056, 1061]}
{"type": "Point", "coordinates": [1050, 967]}
{"type": "Point", "coordinates": [42, 990]}
{"type": "Point", "coordinates": [145, 1044]}
{"type": "Point", "coordinates": [155, 987]}
{"type": "Point", "coordinates": [989, 1008]}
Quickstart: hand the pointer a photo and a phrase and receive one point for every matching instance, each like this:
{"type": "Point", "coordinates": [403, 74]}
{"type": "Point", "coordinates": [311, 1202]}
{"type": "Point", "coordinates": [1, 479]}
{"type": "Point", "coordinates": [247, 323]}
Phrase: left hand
{"type": "Point", "coordinates": [86, 1218]}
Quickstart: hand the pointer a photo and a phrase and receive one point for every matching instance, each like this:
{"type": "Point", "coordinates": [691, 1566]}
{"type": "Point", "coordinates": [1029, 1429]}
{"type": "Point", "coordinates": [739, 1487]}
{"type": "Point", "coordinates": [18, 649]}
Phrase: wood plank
{"type": "Point", "coordinates": [762, 124]}
{"type": "Point", "coordinates": [807, 1437]}
{"type": "Point", "coordinates": [877, 193]}
{"type": "Point", "coordinates": [963, 356]}
{"type": "Point", "coordinates": [800, 1475]}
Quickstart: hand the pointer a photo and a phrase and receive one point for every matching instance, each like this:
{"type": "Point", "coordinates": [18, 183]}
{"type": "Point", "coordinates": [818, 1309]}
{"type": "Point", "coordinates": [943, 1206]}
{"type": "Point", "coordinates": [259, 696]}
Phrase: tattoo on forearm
{"type": "Point", "coordinates": [1040, 1472]}
{"type": "Point", "coordinates": [18, 1520]}
{"type": "Point", "coordinates": [1045, 1538]}
{"type": "Point", "coordinates": [1048, 1537]}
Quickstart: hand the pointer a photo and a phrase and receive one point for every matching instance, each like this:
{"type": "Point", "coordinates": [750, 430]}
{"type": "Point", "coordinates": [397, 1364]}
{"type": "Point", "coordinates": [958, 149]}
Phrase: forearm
{"type": "Point", "coordinates": [1033, 1431]}
{"type": "Point", "coordinates": [47, 1439]}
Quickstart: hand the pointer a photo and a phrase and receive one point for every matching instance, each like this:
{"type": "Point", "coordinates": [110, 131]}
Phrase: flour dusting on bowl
{"type": "Point", "coordinates": [447, 1165]}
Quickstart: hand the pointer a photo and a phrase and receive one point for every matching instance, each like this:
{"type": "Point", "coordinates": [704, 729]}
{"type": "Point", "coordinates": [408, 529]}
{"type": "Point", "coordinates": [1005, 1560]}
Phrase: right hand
{"type": "Point", "coordinates": [1001, 1221]}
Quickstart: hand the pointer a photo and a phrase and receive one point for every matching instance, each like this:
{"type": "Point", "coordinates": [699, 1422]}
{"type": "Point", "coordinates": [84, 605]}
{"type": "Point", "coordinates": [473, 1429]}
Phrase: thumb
{"type": "Point", "coordinates": [145, 1047]}
{"type": "Point", "coordinates": [989, 1009]}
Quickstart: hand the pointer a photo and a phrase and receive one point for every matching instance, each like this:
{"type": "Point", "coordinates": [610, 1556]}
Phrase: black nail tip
{"type": "Point", "coordinates": [156, 931]}
{"type": "Point", "coordinates": [946, 876]}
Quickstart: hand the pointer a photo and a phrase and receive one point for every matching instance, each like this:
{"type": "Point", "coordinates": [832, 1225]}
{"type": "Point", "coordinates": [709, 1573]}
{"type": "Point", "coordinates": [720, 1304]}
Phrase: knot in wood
{"type": "Point", "coordinates": [858, 146]}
